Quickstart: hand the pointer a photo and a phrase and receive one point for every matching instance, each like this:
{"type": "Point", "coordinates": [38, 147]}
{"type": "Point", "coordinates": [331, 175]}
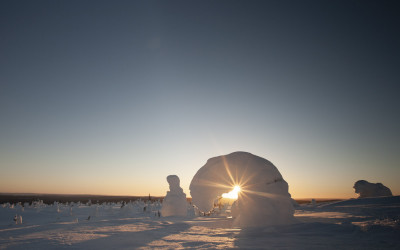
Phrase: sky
{"type": "Point", "coordinates": [111, 97]}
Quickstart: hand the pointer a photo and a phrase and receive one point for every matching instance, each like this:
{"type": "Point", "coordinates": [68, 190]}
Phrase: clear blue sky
{"type": "Point", "coordinates": [110, 97]}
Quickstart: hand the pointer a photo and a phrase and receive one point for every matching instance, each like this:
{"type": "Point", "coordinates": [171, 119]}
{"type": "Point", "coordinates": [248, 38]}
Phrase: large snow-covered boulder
{"type": "Point", "coordinates": [366, 189]}
{"type": "Point", "coordinates": [174, 203]}
{"type": "Point", "coordinates": [264, 198]}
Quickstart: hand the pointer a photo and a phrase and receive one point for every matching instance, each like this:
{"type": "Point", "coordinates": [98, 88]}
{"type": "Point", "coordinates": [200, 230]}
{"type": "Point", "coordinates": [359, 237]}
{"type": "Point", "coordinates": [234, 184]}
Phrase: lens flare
{"type": "Point", "coordinates": [232, 194]}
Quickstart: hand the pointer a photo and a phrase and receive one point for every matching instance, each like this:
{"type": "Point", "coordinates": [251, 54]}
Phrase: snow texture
{"type": "Point", "coordinates": [264, 198]}
{"type": "Point", "coordinates": [174, 203]}
{"type": "Point", "coordinates": [366, 189]}
{"type": "Point", "coordinates": [364, 224]}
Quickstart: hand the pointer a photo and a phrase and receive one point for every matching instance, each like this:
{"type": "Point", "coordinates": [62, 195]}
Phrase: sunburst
{"type": "Point", "coordinates": [234, 194]}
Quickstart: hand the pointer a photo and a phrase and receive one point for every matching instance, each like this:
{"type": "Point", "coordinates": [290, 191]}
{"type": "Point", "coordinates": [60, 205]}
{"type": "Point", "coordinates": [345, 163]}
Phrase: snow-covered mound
{"type": "Point", "coordinates": [366, 189]}
{"type": "Point", "coordinates": [264, 198]}
{"type": "Point", "coordinates": [174, 203]}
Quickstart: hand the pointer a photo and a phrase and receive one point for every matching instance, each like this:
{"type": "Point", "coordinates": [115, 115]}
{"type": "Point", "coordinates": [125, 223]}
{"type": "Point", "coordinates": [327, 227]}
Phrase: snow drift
{"type": "Point", "coordinates": [366, 189]}
{"type": "Point", "coordinates": [264, 198]}
{"type": "Point", "coordinates": [174, 203]}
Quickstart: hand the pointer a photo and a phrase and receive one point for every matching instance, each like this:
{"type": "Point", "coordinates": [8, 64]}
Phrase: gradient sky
{"type": "Point", "coordinates": [110, 97]}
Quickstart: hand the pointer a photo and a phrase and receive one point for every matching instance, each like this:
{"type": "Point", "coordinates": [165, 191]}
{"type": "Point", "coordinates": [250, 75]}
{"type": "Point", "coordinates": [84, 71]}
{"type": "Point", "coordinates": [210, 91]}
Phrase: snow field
{"type": "Point", "coordinates": [352, 224]}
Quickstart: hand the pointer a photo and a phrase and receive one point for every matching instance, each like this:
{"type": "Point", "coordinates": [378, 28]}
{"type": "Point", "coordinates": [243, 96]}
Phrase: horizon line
{"type": "Point", "coordinates": [113, 195]}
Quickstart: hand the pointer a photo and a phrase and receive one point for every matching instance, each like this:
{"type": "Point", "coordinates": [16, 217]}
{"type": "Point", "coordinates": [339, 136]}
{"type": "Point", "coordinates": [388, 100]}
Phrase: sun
{"type": "Point", "coordinates": [232, 194]}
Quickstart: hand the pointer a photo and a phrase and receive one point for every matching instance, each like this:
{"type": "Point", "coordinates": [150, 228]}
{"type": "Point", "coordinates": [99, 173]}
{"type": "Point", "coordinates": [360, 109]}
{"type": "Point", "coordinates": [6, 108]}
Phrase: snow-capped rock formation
{"type": "Point", "coordinates": [264, 198]}
{"type": "Point", "coordinates": [366, 189]}
{"type": "Point", "coordinates": [174, 203]}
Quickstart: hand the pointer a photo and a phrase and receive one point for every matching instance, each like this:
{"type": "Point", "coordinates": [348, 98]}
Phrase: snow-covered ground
{"type": "Point", "coordinates": [370, 223]}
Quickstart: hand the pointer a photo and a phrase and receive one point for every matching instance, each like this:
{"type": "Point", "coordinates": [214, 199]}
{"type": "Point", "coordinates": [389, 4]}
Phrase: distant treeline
{"type": "Point", "coordinates": [62, 198]}
{"type": "Point", "coordinates": [305, 201]}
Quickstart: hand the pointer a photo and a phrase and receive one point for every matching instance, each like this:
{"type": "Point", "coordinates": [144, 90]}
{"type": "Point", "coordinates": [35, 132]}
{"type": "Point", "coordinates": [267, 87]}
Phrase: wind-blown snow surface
{"type": "Point", "coordinates": [264, 198]}
{"type": "Point", "coordinates": [371, 223]}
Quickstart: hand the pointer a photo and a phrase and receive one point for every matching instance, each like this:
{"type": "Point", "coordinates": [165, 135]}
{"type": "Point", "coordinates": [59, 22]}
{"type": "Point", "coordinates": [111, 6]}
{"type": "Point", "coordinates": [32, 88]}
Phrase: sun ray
{"type": "Point", "coordinates": [262, 194]}
{"type": "Point", "coordinates": [228, 170]}
{"type": "Point", "coordinates": [244, 174]}
{"type": "Point", "coordinates": [214, 184]}
{"type": "Point", "coordinates": [245, 181]}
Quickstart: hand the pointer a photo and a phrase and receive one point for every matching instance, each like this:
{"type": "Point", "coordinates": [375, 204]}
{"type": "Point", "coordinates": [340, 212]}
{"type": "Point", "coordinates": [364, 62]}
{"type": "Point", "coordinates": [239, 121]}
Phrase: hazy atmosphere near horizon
{"type": "Point", "coordinates": [111, 97]}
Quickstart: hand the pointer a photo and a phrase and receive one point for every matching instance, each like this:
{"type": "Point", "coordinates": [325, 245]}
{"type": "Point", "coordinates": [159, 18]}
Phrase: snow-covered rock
{"type": "Point", "coordinates": [366, 189]}
{"type": "Point", "coordinates": [264, 198]}
{"type": "Point", "coordinates": [174, 203]}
